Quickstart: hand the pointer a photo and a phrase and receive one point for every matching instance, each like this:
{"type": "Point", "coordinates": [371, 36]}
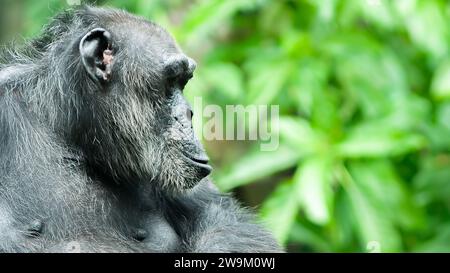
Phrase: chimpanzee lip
{"type": "Point", "coordinates": [199, 161]}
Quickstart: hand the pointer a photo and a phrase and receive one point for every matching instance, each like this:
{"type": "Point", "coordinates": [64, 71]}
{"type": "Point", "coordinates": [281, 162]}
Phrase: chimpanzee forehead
{"type": "Point", "coordinates": [146, 48]}
{"type": "Point", "coordinates": [145, 39]}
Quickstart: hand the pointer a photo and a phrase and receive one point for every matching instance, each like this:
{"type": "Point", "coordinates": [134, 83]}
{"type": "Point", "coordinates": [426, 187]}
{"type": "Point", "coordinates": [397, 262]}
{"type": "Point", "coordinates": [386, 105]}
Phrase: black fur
{"type": "Point", "coordinates": [97, 153]}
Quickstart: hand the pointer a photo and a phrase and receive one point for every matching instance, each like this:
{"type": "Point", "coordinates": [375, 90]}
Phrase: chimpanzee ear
{"type": "Point", "coordinates": [97, 55]}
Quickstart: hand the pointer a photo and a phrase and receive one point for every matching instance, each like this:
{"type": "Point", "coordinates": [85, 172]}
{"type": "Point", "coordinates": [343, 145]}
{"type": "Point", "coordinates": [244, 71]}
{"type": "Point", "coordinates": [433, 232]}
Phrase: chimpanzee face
{"type": "Point", "coordinates": [135, 109]}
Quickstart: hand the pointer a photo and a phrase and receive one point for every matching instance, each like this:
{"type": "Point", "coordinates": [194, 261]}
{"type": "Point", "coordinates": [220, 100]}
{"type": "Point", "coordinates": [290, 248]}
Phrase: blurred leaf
{"type": "Point", "coordinates": [325, 115]}
{"type": "Point", "coordinates": [375, 140]}
{"type": "Point", "coordinates": [232, 87]}
{"type": "Point", "coordinates": [345, 222]}
{"type": "Point", "coordinates": [409, 114]}
{"type": "Point", "coordinates": [372, 225]}
{"type": "Point", "coordinates": [266, 82]}
{"type": "Point", "coordinates": [327, 9]}
{"type": "Point", "coordinates": [443, 115]}
{"type": "Point", "coordinates": [376, 92]}
{"type": "Point", "coordinates": [426, 24]}
{"type": "Point", "coordinates": [306, 235]}
{"type": "Point", "coordinates": [432, 182]}
{"type": "Point", "coordinates": [279, 211]}
{"type": "Point", "coordinates": [314, 189]}
{"type": "Point", "coordinates": [257, 165]}
{"type": "Point", "coordinates": [440, 87]}
{"type": "Point", "coordinates": [308, 83]}
{"type": "Point", "coordinates": [438, 136]}
{"type": "Point", "coordinates": [298, 134]}
{"type": "Point", "coordinates": [379, 12]}
{"type": "Point", "coordinates": [379, 183]}
{"type": "Point", "coordinates": [210, 15]}
{"type": "Point", "coordinates": [39, 14]}
{"type": "Point", "coordinates": [440, 243]}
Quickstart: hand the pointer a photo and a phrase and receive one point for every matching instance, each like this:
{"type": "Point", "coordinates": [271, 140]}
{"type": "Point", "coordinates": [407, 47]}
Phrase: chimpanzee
{"type": "Point", "coordinates": [97, 150]}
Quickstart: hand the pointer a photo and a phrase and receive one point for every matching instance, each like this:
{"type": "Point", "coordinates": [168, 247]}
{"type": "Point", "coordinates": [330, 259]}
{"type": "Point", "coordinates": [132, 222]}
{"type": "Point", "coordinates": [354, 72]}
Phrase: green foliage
{"type": "Point", "coordinates": [364, 94]}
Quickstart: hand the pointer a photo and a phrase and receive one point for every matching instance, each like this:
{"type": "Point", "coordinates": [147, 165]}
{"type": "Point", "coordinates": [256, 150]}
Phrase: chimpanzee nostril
{"type": "Point", "coordinates": [189, 114]}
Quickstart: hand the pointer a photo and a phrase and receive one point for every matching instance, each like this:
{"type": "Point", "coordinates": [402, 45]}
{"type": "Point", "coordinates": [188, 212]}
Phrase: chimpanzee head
{"type": "Point", "coordinates": [121, 81]}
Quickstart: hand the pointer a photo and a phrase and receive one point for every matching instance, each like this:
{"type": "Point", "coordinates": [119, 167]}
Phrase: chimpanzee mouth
{"type": "Point", "coordinates": [199, 161]}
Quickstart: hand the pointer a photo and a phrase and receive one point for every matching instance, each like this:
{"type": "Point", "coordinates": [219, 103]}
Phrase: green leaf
{"type": "Point", "coordinates": [232, 87]}
{"type": "Point", "coordinates": [257, 165]}
{"type": "Point", "coordinates": [309, 83]}
{"type": "Point", "coordinates": [378, 12]}
{"type": "Point", "coordinates": [314, 190]}
{"type": "Point", "coordinates": [439, 243]}
{"type": "Point", "coordinates": [377, 139]}
{"type": "Point", "coordinates": [298, 134]}
{"type": "Point", "coordinates": [426, 24]}
{"type": "Point", "coordinates": [376, 93]}
{"type": "Point", "coordinates": [371, 225]}
{"type": "Point", "coordinates": [382, 187]}
{"type": "Point", "coordinates": [345, 222]}
{"type": "Point", "coordinates": [210, 15]}
{"type": "Point", "coordinates": [431, 184]}
{"type": "Point", "coordinates": [279, 210]}
{"type": "Point", "coordinates": [304, 234]}
{"type": "Point", "coordinates": [438, 136]}
{"type": "Point", "coordinates": [440, 86]}
{"type": "Point", "coordinates": [443, 115]}
{"type": "Point", "coordinates": [39, 14]}
{"type": "Point", "coordinates": [326, 9]}
{"type": "Point", "coordinates": [266, 82]}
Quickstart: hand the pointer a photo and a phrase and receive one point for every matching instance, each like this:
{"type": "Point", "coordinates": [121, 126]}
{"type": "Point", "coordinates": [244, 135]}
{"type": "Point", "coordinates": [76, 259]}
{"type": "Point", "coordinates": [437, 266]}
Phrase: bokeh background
{"type": "Point", "coordinates": [364, 93]}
